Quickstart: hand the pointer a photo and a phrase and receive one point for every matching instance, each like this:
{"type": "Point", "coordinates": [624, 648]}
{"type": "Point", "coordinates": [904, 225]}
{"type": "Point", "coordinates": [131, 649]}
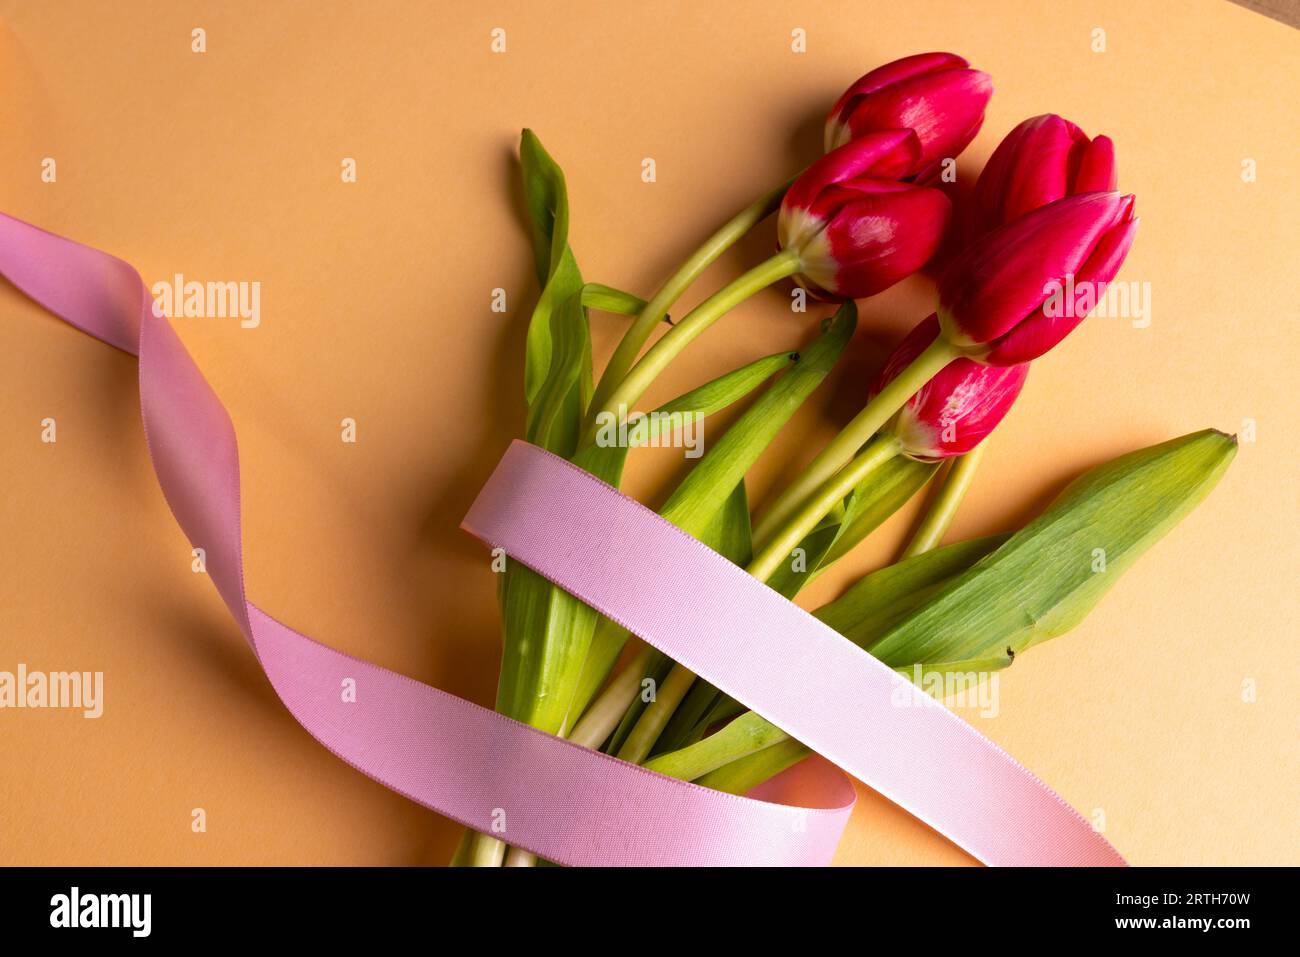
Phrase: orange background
{"type": "Point", "coordinates": [375, 305]}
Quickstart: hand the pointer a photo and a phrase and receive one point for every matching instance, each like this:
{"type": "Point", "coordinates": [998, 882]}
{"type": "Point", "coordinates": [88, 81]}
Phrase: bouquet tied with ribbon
{"type": "Point", "coordinates": [1045, 213]}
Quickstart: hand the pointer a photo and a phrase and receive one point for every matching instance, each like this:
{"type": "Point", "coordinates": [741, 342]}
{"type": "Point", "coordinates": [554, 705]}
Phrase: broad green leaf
{"type": "Point", "coordinates": [546, 196]}
{"type": "Point", "coordinates": [1047, 577]}
{"type": "Point", "coordinates": [546, 632]}
{"type": "Point", "coordinates": [728, 532]}
{"type": "Point", "coordinates": [975, 667]}
{"type": "Point", "coordinates": [881, 599]}
{"type": "Point", "coordinates": [552, 423]}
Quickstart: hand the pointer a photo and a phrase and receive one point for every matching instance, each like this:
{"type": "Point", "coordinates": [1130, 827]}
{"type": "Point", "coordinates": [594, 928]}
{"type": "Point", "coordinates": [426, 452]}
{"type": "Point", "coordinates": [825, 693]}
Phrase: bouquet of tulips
{"type": "Point", "coordinates": [1045, 216]}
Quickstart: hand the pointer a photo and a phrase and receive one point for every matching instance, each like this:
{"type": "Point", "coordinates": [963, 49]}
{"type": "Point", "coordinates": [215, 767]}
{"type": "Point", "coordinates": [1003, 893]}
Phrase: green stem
{"type": "Point", "coordinates": [657, 308]}
{"type": "Point", "coordinates": [747, 734]}
{"type": "Point", "coordinates": [634, 384]}
{"type": "Point", "coordinates": [602, 717]}
{"type": "Point", "coordinates": [674, 688]}
{"type": "Point", "coordinates": [646, 731]}
{"type": "Point", "coordinates": [747, 773]}
{"type": "Point", "coordinates": [781, 544]}
{"type": "Point", "coordinates": [486, 851]}
{"type": "Point", "coordinates": [518, 857]}
{"type": "Point", "coordinates": [854, 435]}
{"type": "Point", "coordinates": [940, 512]}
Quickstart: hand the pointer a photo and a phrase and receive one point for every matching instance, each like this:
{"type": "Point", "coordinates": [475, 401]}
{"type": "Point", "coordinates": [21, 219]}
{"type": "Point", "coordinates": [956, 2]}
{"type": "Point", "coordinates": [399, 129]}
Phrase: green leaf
{"type": "Point", "coordinates": [878, 601]}
{"type": "Point", "coordinates": [554, 417]}
{"type": "Point", "coordinates": [608, 299]}
{"type": "Point", "coordinates": [717, 394]}
{"type": "Point", "coordinates": [1047, 577]}
{"type": "Point", "coordinates": [546, 632]}
{"type": "Point", "coordinates": [546, 196]}
{"type": "Point", "coordinates": [728, 532]}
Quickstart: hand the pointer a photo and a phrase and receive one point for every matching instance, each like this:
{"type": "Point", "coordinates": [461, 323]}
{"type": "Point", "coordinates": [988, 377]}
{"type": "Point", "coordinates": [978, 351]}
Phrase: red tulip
{"type": "Point", "coordinates": [856, 227]}
{"type": "Point", "coordinates": [992, 297]}
{"type": "Point", "coordinates": [957, 408]}
{"type": "Point", "coordinates": [936, 94]}
{"type": "Point", "coordinates": [1044, 159]}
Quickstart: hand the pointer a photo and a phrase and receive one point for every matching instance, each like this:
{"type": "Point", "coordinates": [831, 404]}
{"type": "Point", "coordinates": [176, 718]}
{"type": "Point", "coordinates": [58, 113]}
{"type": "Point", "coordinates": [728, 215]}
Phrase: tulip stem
{"type": "Point", "coordinates": [940, 512]}
{"type": "Point", "coordinates": [638, 379]}
{"type": "Point", "coordinates": [602, 717]}
{"type": "Point", "coordinates": [657, 308]}
{"type": "Point", "coordinates": [486, 851]}
{"type": "Point", "coordinates": [776, 551]}
{"type": "Point", "coordinates": [854, 435]}
{"type": "Point", "coordinates": [518, 857]}
{"type": "Point", "coordinates": [670, 693]}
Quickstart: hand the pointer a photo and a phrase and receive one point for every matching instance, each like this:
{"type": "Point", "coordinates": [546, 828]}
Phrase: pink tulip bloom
{"type": "Point", "coordinates": [957, 408]}
{"type": "Point", "coordinates": [998, 300]}
{"type": "Point", "coordinates": [936, 94]}
{"type": "Point", "coordinates": [1044, 159]}
{"type": "Point", "coordinates": [856, 227]}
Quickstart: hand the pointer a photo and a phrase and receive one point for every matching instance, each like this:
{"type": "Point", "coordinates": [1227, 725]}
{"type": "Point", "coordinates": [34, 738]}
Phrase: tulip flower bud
{"type": "Point", "coordinates": [935, 94]}
{"type": "Point", "coordinates": [1044, 159]}
{"type": "Point", "coordinates": [1000, 301]}
{"type": "Point", "coordinates": [855, 227]}
{"type": "Point", "coordinates": [957, 408]}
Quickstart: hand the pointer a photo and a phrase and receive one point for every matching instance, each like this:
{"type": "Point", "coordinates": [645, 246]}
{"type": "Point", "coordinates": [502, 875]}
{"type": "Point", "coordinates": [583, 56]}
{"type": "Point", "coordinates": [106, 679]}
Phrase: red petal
{"type": "Point", "coordinates": [1000, 280]}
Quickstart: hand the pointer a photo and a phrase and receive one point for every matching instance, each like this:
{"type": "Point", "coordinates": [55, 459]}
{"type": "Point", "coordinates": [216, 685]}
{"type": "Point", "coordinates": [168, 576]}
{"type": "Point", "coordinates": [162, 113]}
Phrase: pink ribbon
{"type": "Point", "coordinates": [558, 800]}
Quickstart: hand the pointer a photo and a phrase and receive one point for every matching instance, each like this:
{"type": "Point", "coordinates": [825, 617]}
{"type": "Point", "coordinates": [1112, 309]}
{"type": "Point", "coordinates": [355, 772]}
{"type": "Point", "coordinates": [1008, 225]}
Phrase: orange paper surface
{"type": "Point", "coordinates": [1169, 716]}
